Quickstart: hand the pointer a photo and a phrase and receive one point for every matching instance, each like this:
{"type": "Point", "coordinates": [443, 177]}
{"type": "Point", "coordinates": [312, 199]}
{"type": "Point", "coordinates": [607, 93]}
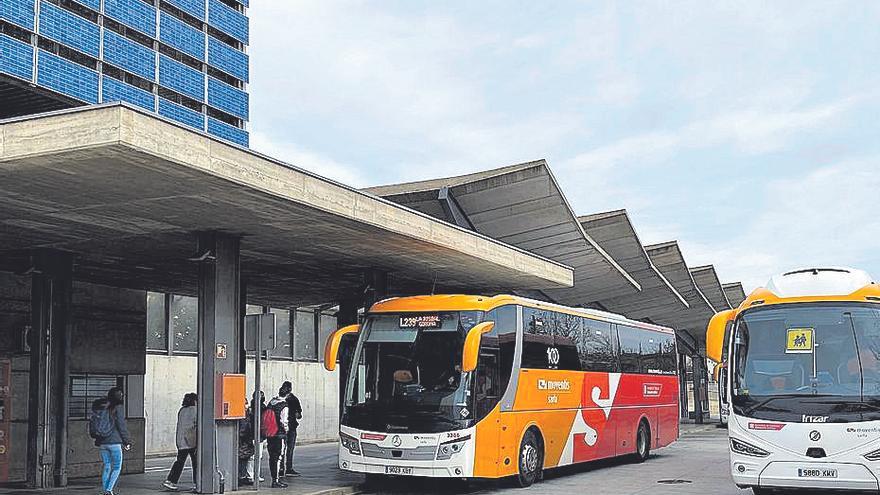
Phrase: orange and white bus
{"type": "Point", "coordinates": [470, 386]}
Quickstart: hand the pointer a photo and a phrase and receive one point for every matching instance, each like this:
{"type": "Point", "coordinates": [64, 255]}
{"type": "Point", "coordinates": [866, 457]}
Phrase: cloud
{"type": "Point", "coordinates": [824, 218]}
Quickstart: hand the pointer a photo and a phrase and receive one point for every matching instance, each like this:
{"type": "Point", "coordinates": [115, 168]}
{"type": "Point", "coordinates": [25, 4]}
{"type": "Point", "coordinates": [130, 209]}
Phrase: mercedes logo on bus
{"type": "Point", "coordinates": [396, 441]}
{"type": "Point", "coordinates": [815, 436]}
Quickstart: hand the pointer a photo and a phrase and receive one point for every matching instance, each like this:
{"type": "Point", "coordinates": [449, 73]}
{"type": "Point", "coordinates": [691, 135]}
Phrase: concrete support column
{"type": "Point", "coordinates": [376, 282]}
{"type": "Point", "coordinates": [347, 315]}
{"type": "Point", "coordinates": [220, 347]}
{"type": "Point", "coordinates": [49, 378]}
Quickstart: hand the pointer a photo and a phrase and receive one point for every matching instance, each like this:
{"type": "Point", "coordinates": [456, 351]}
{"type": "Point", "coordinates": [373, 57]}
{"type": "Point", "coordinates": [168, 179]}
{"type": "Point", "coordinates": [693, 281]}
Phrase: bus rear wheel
{"type": "Point", "coordinates": [643, 442]}
{"type": "Point", "coordinates": [531, 459]}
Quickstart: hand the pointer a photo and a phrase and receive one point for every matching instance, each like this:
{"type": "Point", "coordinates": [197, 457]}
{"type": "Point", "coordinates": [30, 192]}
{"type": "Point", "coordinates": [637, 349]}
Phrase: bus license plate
{"type": "Point", "coordinates": [398, 470]}
{"type": "Point", "coordinates": [817, 473]}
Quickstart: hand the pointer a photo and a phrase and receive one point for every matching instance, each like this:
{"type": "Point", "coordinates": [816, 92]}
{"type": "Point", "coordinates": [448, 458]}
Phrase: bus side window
{"type": "Point", "coordinates": [596, 346]}
{"type": "Point", "coordinates": [630, 349]}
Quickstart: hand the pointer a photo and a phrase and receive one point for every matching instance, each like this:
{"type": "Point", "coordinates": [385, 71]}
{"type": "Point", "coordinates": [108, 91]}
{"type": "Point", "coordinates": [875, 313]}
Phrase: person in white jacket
{"type": "Point", "coordinates": [187, 431]}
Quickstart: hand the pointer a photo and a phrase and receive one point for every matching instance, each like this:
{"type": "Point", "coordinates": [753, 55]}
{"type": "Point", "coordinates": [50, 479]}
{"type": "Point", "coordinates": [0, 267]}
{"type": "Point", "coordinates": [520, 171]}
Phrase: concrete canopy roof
{"type": "Point", "coordinates": [735, 293]}
{"type": "Point", "coordinates": [523, 205]}
{"type": "Point", "coordinates": [658, 301]}
{"type": "Point", "coordinates": [708, 282]}
{"type": "Point", "coordinates": [126, 191]}
{"type": "Point", "coordinates": [668, 259]}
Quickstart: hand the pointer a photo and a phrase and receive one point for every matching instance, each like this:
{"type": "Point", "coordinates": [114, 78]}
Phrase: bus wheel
{"type": "Point", "coordinates": [643, 442]}
{"type": "Point", "coordinates": [531, 459]}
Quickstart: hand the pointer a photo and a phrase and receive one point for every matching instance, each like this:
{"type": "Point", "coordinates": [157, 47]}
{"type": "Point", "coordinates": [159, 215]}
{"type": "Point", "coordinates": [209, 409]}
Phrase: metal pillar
{"type": "Point", "coordinates": [699, 387]}
{"type": "Point", "coordinates": [220, 347]}
{"type": "Point", "coordinates": [682, 386]}
{"type": "Point", "coordinates": [49, 380]}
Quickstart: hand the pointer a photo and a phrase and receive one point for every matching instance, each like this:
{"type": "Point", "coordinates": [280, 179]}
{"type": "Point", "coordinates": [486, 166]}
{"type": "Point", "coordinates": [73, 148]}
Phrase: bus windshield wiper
{"type": "Point", "coordinates": [768, 400]}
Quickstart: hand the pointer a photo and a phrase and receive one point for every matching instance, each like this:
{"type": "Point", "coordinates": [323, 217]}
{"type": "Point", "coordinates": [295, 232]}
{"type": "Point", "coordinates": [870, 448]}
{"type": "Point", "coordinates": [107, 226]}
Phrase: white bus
{"type": "Point", "coordinates": [803, 382]}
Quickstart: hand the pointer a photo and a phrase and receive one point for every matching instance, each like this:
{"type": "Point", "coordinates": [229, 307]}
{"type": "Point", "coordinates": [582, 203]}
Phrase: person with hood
{"type": "Point", "coordinates": [275, 439]}
{"type": "Point", "coordinates": [187, 432]}
{"type": "Point", "coordinates": [107, 426]}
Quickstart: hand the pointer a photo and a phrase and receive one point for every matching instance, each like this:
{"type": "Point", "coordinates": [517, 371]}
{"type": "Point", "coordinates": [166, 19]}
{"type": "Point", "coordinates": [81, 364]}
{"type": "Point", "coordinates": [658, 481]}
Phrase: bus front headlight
{"type": "Point", "coordinates": [746, 448]}
{"type": "Point", "coordinates": [450, 448]}
{"type": "Point", "coordinates": [873, 456]}
{"type": "Point", "coordinates": [350, 443]}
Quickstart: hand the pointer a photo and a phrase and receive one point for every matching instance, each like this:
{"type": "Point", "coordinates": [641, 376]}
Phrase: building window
{"type": "Point", "coordinates": [85, 389]}
{"type": "Point", "coordinates": [304, 336]}
{"type": "Point", "coordinates": [157, 325]}
{"type": "Point", "coordinates": [327, 326]}
{"type": "Point", "coordinates": [283, 338]}
{"type": "Point", "coordinates": [184, 319]}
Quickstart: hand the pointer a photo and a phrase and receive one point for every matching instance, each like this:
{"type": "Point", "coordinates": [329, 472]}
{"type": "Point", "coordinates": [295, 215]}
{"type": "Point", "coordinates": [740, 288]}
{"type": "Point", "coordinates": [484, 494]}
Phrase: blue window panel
{"type": "Point", "coordinates": [229, 21]}
{"type": "Point", "coordinates": [228, 59]}
{"type": "Point", "coordinates": [195, 8]}
{"type": "Point", "coordinates": [114, 90]}
{"type": "Point", "coordinates": [182, 36]}
{"type": "Point", "coordinates": [16, 58]}
{"type": "Point", "coordinates": [181, 114]}
{"type": "Point", "coordinates": [227, 132]}
{"type": "Point", "coordinates": [67, 77]}
{"type": "Point", "coordinates": [69, 29]}
{"type": "Point", "coordinates": [92, 4]}
{"type": "Point", "coordinates": [227, 98]}
{"type": "Point", "coordinates": [181, 78]}
{"type": "Point", "coordinates": [20, 12]}
{"type": "Point", "coordinates": [128, 55]}
{"type": "Point", "coordinates": [133, 13]}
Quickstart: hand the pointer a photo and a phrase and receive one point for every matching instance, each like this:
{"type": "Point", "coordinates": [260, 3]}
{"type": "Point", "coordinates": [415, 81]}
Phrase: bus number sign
{"type": "Point", "coordinates": [420, 321]}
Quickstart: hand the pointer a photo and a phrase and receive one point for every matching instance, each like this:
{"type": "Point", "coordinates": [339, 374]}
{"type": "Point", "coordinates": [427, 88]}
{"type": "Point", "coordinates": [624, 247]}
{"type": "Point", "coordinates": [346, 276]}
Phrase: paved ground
{"type": "Point", "coordinates": [696, 464]}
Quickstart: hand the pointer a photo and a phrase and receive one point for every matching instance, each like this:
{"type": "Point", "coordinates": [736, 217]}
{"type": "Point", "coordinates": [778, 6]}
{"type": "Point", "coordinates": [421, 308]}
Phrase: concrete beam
{"type": "Point", "coordinates": [66, 181]}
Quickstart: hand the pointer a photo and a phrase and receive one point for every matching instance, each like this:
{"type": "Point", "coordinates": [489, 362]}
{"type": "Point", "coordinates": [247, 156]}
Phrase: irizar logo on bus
{"type": "Point", "coordinates": [814, 419]}
{"type": "Point", "coordinates": [562, 385]}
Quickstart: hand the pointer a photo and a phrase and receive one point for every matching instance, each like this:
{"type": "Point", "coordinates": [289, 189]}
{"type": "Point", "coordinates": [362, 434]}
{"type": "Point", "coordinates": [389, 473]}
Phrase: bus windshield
{"type": "Point", "coordinates": [406, 373]}
{"type": "Point", "coordinates": [817, 362]}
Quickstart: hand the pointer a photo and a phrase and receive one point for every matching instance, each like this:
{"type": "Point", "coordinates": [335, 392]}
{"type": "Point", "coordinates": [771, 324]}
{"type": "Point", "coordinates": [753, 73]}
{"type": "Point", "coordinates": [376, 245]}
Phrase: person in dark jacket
{"type": "Point", "coordinates": [294, 414]}
{"type": "Point", "coordinates": [247, 445]}
{"type": "Point", "coordinates": [275, 443]}
{"type": "Point", "coordinates": [187, 431]}
{"type": "Point", "coordinates": [112, 445]}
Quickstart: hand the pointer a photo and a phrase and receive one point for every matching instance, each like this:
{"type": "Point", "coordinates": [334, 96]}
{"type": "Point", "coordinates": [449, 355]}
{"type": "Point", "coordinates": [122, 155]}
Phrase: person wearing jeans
{"type": "Point", "coordinates": [187, 432]}
{"type": "Point", "coordinates": [112, 445]}
{"type": "Point", "coordinates": [111, 456]}
{"type": "Point", "coordinates": [294, 414]}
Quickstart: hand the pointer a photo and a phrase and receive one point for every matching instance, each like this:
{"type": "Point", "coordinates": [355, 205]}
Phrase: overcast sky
{"type": "Point", "coordinates": [748, 131]}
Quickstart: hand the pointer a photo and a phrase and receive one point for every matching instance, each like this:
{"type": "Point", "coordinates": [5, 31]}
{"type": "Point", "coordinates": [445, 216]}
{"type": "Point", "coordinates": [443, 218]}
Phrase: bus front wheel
{"type": "Point", "coordinates": [531, 459]}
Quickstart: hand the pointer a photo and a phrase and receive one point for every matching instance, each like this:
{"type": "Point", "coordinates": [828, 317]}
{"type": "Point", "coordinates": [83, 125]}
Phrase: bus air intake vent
{"type": "Point", "coordinates": [816, 452]}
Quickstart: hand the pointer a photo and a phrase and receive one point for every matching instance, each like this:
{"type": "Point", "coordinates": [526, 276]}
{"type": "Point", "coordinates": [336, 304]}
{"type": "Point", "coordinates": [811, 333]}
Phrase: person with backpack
{"type": "Point", "coordinates": [246, 444]}
{"type": "Point", "coordinates": [274, 429]}
{"type": "Point", "coordinates": [186, 439]}
{"type": "Point", "coordinates": [294, 414]}
{"type": "Point", "coordinates": [107, 426]}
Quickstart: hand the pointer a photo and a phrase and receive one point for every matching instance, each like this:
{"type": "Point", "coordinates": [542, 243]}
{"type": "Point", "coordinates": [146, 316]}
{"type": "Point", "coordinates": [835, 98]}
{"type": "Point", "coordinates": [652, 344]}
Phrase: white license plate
{"type": "Point", "coordinates": [398, 470]}
{"type": "Point", "coordinates": [817, 473]}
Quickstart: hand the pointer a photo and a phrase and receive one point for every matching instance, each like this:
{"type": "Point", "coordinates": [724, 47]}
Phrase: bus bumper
{"type": "Point", "coordinates": [359, 464]}
{"type": "Point", "coordinates": [786, 475]}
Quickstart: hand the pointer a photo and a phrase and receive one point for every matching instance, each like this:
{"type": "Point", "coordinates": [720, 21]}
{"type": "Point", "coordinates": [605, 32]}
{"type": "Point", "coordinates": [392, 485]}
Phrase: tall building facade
{"type": "Point", "coordinates": [183, 59]}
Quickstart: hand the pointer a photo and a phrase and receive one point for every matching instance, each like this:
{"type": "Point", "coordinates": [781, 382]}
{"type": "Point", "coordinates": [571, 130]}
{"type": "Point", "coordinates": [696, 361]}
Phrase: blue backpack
{"type": "Point", "coordinates": [100, 422]}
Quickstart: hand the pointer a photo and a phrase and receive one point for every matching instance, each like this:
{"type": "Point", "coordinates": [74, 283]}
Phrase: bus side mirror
{"type": "Point", "coordinates": [471, 352]}
{"type": "Point", "coordinates": [331, 350]}
{"type": "Point", "coordinates": [715, 334]}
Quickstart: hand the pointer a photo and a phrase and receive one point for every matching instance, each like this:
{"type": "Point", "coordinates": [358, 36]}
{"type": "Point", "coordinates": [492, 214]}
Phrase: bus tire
{"type": "Point", "coordinates": [643, 442]}
{"type": "Point", "coordinates": [531, 459]}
